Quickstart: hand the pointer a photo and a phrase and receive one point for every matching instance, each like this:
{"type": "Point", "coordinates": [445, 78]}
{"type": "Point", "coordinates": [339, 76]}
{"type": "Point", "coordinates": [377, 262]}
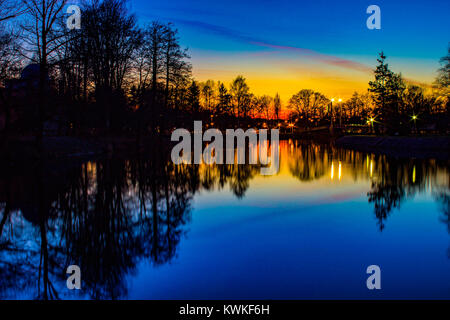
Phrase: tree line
{"type": "Point", "coordinates": [113, 75]}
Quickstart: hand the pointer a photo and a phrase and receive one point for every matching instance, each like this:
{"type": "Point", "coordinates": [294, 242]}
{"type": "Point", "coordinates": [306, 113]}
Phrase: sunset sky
{"type": "Point", "coordinates": [284, 46]}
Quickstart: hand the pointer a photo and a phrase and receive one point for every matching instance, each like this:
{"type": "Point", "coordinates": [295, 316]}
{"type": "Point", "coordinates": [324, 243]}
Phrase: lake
{"type": "Point", "coordinates": [144, 228]}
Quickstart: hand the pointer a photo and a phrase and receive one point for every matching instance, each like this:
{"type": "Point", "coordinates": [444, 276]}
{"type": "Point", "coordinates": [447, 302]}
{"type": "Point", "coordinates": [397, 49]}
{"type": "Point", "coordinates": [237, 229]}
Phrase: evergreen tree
{"type": "Point", "coordinates": [387, 90]}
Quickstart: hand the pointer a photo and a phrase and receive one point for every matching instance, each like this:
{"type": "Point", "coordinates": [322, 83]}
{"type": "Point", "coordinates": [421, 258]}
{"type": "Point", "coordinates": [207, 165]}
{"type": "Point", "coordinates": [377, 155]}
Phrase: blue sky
{"type": "Point", "coordinates": [322, 39]}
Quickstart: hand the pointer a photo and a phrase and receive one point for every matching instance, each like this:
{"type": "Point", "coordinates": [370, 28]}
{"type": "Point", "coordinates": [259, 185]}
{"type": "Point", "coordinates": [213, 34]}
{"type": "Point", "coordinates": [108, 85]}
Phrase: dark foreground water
{"type": "Point", "coordinates": [147, 229]}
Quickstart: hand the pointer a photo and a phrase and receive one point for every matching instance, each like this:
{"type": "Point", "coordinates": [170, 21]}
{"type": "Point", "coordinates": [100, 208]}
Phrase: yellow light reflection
{"type": "Point", "coordinates": [371, 168]}
{"type": "Point", "coordinates": [332, 171]}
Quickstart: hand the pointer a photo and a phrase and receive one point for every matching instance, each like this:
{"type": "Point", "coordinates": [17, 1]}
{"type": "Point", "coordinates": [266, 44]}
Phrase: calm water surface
{"type": "Point", "coordinates": [147, 229]}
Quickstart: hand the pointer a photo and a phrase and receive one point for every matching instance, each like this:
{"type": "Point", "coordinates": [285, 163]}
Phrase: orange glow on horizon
{"type": "Point", "coordinates": [287, 87]}
{"type": "Point", "coordinates": [287, 73]}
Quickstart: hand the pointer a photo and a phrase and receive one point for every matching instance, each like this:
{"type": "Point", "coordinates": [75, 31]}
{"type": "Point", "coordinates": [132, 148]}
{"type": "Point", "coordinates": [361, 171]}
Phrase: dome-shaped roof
{"type": "Point", "coordinates": [31, 71]}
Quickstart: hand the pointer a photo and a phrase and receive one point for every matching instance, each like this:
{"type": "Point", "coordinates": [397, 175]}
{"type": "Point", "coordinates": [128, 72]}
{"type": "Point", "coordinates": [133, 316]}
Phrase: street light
{"type": "Point", "coordinates": [292, 127]}
{"type": "Point", "coordinates": [370, 121]}
{"type": "Point", "coordinates": [414, 117]}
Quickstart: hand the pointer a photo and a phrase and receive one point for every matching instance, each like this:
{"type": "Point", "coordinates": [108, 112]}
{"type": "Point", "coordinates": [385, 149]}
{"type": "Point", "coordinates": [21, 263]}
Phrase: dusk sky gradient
{"type": "Point", "coordinates": [284, 46]}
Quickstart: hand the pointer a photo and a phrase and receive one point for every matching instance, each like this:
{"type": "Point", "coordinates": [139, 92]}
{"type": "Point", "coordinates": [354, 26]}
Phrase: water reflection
{"type": "Point", "coordinates": [110, 214]}
{"type": "Point", "coordinates": [444, 199]}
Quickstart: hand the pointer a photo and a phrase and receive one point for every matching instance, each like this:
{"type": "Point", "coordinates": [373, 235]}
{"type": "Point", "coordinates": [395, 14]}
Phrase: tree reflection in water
{"type": "Point", "coordinates": [392, 180]}
{"type": "Point", "coordinates": [110, 214]}
{"type": "Point", "coordinates": [444, 198]}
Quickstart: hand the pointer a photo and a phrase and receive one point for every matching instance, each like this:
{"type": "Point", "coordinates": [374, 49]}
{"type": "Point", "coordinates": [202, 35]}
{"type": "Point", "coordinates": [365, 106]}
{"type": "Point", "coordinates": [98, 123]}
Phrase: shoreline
{"type": "Point", "coordinates": [66, 147]}
{"type": "Point", "coordinates": [425, 147]}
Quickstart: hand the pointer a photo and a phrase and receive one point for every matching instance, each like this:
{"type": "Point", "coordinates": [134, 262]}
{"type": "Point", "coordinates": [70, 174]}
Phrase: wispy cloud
{"type": "Point", "coordinates": [217, 30]}
{"type": "Point", "coordinates": [236, 35]}
{"type": "Point", "coordinates": [332, 60]}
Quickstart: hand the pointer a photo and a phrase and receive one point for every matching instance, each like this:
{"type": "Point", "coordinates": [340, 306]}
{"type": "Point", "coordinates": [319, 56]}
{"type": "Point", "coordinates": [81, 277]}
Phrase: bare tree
{"type": "Point", "coordinates": [277, 106]}
{"type": "Point", "coordinates": [263, 106]}
{"type": "Point", "coordinates": [112, 41]}
{"type": "Point", "coordinates": [113, 38]}
{"type": "Point", "coordinates": [9, 53]}
{"type": "Point", "coordinates": [301, 102]}
{"type": "Point", "coordinates": [10, 9]}
{"type": "Point", "coordinates": [43, 37]}
{"type": "Point", "coordinates": [319, 103]}
{"type": "Point", "coordinates": [208, 91]}
{"type": "Point", "coordinates": [9, 57]}
{"type": "Point", "coordinates": [42, 30]}
{"type": "Point", "coordinates": [239, 90]}
{"type": "Point", "coordinates": [10, 62]}
{"type": "Point", "coordinates": [155, 46]}
{"type": "Point", "coordinates": [175, 64]}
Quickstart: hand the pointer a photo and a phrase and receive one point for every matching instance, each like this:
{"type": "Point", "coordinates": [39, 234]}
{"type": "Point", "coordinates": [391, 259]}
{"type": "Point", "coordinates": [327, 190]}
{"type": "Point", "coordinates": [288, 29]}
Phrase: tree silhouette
{"type": "Point", "coordinates": [386, 90]}
{"type": "Point", "coordinates": [239, 91]}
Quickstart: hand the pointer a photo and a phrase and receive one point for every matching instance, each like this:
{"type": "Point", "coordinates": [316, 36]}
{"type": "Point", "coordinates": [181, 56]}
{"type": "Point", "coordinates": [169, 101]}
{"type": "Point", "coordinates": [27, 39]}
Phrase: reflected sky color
{"type": "Point", "coordinates": [147, 229]}
{"type": "Point", "coordinates": [284, 46]}
{"type": "Point", "coordinates": [303, 238]}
